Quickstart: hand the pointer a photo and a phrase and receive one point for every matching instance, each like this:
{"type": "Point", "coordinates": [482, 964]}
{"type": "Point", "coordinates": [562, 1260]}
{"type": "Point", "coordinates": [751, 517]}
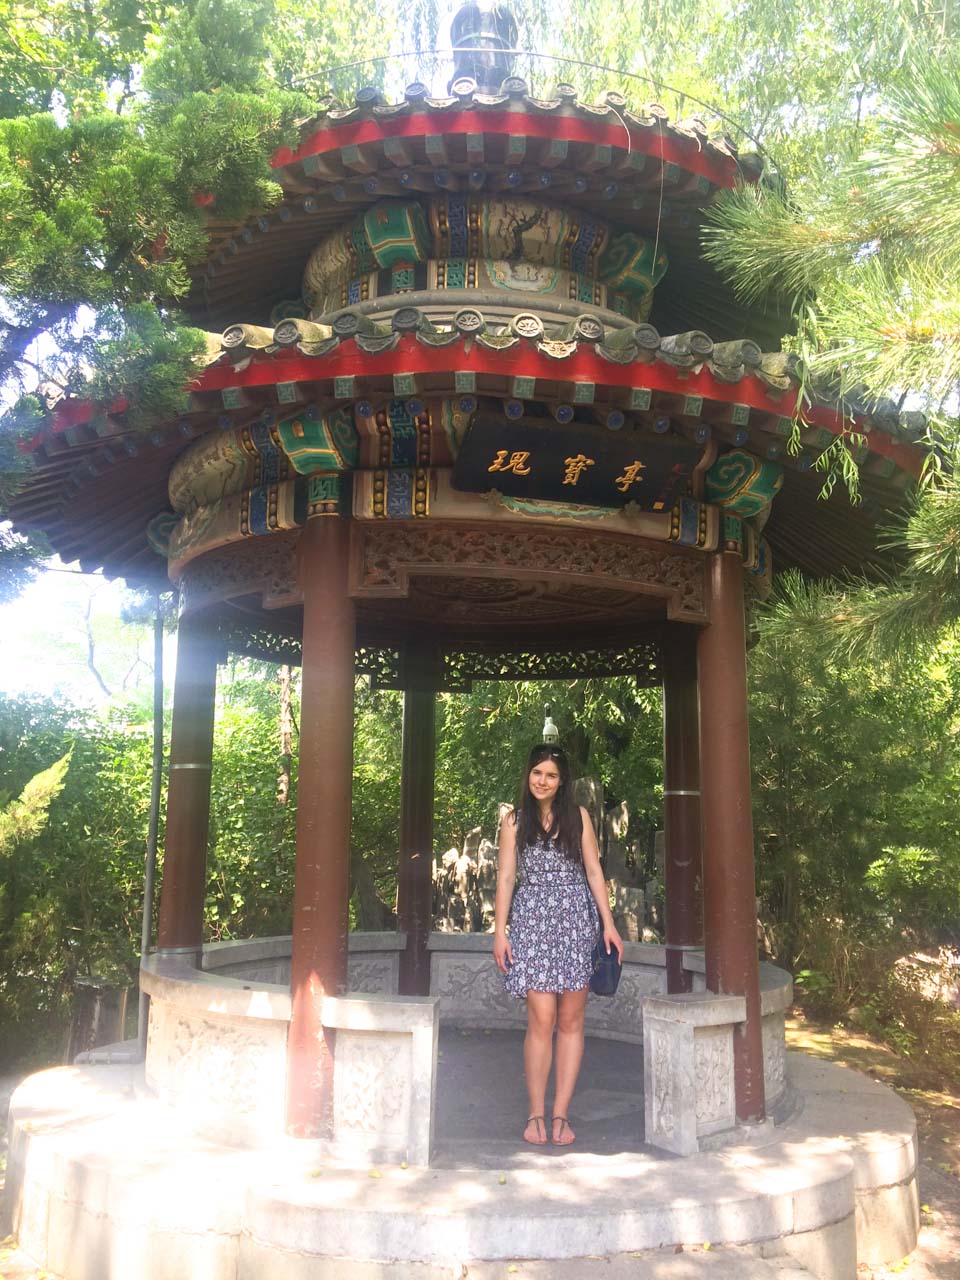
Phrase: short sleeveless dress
{"type": "Point", "coordinates": [554, 923]}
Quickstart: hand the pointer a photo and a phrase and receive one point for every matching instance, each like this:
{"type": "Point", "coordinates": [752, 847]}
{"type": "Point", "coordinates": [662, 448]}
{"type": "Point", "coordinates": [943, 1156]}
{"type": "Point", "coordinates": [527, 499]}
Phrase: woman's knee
{"type": "Point", "coordinates": [541, 1013]}
{"type": "Point", "coordinates": [570, 1016]}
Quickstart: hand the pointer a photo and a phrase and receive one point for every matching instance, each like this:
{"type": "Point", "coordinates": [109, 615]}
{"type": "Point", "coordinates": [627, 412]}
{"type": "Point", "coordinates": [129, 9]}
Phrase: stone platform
{"type": "Point", "coordinates": [105, 1182]}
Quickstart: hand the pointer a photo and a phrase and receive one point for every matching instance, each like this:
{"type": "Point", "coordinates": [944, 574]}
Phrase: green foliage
{"type": "Point", "coordinates": [913, 884]}
{"type": "Point", "coordinates": [252, 838]}
{"type": "Point", "coordinates": [19, 558]}
{"type": "Point", "coordinates": [855, 773]}
{"type": "Point", "coordinates": [886, 619]}
{"type": "Point", "coordinates": [81, 51]}
{"type": "Point", "coordinates": [24, 818]}
{"type": "Point", "coordinates": [205, 46]}
{"type": "Point", "coordinates": [375, 836]}
{"type": "Point", "coordinates": [610, 729]}
{"type": "Point", "coordinates": [70, 897]}
{"type": "Point", "coordinates": [865, 244]}
{"type": "Point", "coordinates": [99, 222]}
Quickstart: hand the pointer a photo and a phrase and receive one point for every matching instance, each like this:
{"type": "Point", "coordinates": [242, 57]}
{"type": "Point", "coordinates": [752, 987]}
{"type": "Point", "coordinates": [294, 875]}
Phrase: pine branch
{"type": "Point", "coordinates": [886, 620]}
{"type": "Point", "coordinates": [26, 817]}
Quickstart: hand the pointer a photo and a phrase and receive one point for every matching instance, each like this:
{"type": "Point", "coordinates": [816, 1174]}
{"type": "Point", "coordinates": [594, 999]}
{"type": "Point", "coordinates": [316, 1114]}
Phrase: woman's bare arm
{"type": "Point", "coordinates": [506, 880]}
{"type": "Point", "coordinates": [598, 886]}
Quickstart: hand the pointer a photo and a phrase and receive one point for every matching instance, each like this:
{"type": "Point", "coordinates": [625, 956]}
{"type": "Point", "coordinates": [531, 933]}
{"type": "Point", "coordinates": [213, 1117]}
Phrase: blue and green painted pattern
{"type": "Point", "coordinates": [314, 443]}
{"type": "Point", "coordinates": [742, 484]}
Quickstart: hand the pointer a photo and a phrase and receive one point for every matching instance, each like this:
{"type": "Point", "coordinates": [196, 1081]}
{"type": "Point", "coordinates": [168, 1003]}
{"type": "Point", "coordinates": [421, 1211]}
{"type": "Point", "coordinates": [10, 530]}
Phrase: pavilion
{"type": "Point", "coordinates": [479, 409]}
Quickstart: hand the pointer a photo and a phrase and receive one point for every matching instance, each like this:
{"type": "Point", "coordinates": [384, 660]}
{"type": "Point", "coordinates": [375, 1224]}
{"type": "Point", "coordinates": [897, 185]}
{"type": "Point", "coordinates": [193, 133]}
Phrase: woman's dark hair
{"type": "Point", "coordinates": [567, 821]}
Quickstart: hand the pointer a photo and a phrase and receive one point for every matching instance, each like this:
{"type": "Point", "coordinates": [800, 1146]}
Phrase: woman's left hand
{"type": "Point", "coordinates": [611, 938]}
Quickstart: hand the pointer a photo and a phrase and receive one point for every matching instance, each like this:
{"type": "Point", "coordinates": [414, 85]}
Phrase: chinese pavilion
{"type": "Point", "coordinates": [479, 409]}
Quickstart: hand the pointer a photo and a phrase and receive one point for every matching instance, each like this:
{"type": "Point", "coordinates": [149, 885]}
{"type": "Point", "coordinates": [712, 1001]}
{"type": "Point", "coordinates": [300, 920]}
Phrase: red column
{"type": "Point", "coordinates": [681, 803]}
{"type": "Point", "coordinates": [415, 871]}
{"type": "Point", "coordinates": [729, 885]}
{"type": "Point", "coordinates": [322, 877]}
{"type": "Point", "coordinates": [188, 793]}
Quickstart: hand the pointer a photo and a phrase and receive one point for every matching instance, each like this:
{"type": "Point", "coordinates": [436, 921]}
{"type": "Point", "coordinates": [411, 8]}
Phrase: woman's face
{"type": "Point", "coordinates": [544, 781]}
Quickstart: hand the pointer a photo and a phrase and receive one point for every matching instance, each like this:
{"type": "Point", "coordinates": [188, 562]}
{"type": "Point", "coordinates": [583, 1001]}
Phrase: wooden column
{"type": "Point", "coordinates": [415, 870]}
{"type": "Point", "coordinates": [188, 792]}
{"type": "Point", "coordinates": [683, 884]}
{"type": "Point", "coordinates": [318, 964]}
{"type": "Point", "coordinates": [729, 887]}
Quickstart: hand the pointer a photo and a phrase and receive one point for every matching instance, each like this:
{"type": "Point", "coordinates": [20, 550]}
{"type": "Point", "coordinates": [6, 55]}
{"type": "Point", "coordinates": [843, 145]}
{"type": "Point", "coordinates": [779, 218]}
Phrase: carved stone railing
{"type": "Point", "coordinates": [217, 1049]}
{"type": "Point", "coordinates": [688, 1077]}
{"type": "Point", "coordinates": [217, 1039]}
{"type": "Point", "coordinates": [688, 1068]}
{"type": "Point", "coordinates": [373, 961]}
{"type": "Point", "coordinates": [463, 975]}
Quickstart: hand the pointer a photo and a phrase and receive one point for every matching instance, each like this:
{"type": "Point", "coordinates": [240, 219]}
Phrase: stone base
{"type": "Point", "coordinates": [106, 1185]}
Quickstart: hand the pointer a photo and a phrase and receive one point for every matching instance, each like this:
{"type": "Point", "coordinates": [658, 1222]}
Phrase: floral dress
{"type": "Point", "coordinates": [553, 923]}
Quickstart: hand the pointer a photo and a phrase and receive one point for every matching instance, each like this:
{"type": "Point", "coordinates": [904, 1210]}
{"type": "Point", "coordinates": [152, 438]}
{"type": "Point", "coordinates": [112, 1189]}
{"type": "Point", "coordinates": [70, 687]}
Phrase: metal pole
{"type": "Point", "coordinates": [153, 827]}
{"type": "Point", "coordinates": [180, 924]}
{"type": "Point", "coordinates": [415, 871]}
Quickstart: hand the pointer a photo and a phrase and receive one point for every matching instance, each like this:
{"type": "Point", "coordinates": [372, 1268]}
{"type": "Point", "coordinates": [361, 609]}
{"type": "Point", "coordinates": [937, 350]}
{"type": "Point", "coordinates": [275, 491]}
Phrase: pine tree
{"type": "Point", "coordinates": [869, 256]}
{"type": "Point", "coordinates": [867, 250]}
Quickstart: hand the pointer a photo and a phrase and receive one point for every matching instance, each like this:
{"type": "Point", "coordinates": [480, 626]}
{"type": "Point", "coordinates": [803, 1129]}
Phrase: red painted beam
{"type": "Point", "coordinates": [657, 142]}
{"type": "Point", "coordinates": [585, 365]}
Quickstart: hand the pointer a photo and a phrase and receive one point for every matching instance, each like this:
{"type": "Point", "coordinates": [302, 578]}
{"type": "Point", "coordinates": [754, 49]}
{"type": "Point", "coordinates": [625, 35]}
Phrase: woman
{"type": "Point", "coordinates": [546, 959]}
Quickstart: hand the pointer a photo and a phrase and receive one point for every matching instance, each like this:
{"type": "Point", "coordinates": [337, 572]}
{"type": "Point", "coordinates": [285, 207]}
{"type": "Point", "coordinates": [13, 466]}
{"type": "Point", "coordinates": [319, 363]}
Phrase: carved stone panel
{"type": "Point", "coordinates": [384, 559]}
{"type": "Point", "coordinates": [471, 992]}
{"type": "Point", "coordinates": [663, 1113]}
{"type": "Point", "coordinates": [227, 1073]}
{"type": "Point", "coordinates": [621, 1017]}
{"type": "Point", "coordinates": [272, 971]}
{"type": "Point", "coordinates": [713, 1069]}
{"type": "Point", "coordinates": [371, 1105]}
{"type": "Point", "coordinates": [373, 974]}
{"type": "Point", "coordinates": [774, 1056]}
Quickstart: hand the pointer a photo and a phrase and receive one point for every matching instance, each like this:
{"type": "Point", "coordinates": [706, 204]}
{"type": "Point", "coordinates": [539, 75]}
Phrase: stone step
{"type": "Point", "coordinates": [725, 1263]}
{"type": "Point", "coordinates": [109, 1184]}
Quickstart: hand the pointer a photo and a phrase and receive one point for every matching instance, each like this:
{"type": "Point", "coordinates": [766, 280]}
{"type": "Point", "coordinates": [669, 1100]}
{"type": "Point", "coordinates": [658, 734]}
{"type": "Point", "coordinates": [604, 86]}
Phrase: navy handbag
{"type": "Point", "coordinates": [606, 970]}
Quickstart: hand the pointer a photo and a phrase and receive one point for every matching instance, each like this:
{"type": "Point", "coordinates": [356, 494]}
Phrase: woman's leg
{"type": "Point", "coordinates": [571, 1007]}
{"type": "Point", "coordinates": [537, 1053]}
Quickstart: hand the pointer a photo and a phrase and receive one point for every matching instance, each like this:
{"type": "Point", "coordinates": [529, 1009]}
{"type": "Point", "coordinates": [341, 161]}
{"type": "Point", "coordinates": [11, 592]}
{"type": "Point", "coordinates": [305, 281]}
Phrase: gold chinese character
{"type": "Point", "coordinates": [515, 462]}
{"type": "Point", "coordinates": [575, 467]}
{"type": "Point", "coordinates": [631, 475]}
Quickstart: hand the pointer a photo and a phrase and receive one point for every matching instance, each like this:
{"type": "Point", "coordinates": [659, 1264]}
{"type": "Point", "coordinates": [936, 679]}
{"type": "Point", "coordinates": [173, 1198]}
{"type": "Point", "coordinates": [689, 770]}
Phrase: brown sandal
{"type": "Point", "coordinates": [564, 1124]}
{"type": "Point", "coordinates": [540, 1123]}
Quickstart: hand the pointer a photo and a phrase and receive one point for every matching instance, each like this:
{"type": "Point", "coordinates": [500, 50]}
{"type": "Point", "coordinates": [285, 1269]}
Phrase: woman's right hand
{"type": "Point", "coordinates": [502, 952]}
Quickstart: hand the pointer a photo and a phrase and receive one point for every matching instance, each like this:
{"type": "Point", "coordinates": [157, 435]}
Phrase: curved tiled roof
{"type": "Point", "coordinates": [632, 165]}
{"type": "Point", "coordinates": [704, 368]}
{"type": "Point", "coordinates": [97, 483]}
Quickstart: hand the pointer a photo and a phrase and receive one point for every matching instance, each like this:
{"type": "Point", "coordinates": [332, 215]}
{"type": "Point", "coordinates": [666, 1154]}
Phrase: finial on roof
{"type": "Point", "coordinates": [482, 30]}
